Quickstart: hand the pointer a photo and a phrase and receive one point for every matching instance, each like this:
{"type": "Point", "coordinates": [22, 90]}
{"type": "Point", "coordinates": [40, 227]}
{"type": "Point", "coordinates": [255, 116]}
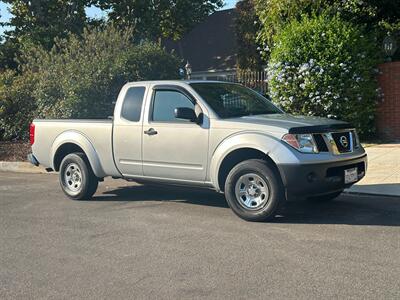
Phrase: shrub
{"type": "Point", "coordinates": [380, 15]}
{"type": "Point", "coordinates": [78, 78]}
{"type": "Point", "coordinates": [275, 14]}
{"type": "Point", "coordinates": [81, 77]}
{"type": "Point", "coordinates": [324, 66]}
{"type": "Point", "coordinates": [17, 107]}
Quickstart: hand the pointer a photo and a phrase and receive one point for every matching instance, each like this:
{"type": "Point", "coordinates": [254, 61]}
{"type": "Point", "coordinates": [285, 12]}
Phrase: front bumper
{"type": "Point", "coordinates": [32, 159]}
{"type": "Point", "coordinates": [303, 180]}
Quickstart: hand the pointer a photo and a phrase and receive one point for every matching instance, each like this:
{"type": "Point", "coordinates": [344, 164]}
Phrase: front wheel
{"type": "Point", "coordinates": [76, 176]}
{"type": "Point", "coordinates": [254, 190]}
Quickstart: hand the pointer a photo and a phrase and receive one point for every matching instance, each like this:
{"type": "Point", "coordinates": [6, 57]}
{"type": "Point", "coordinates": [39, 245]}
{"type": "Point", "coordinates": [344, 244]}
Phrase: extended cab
{"type": "Point", "coordinates": [218, 135]}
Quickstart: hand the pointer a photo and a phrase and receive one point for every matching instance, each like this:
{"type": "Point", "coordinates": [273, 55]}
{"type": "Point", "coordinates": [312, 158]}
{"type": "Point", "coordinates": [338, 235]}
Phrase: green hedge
{"type": "Point", "coordinates": [17, 106]}
{"type": "Point", "coordinates": [79, 78]}
{"type": "Point", "coordinates": [324, 66]}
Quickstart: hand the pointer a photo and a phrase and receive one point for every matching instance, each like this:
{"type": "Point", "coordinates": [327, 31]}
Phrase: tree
{"type": "Point", "coordinates": [42, 20]}
{"type": "Point", "coordinates": [380, 15]}
{"type": "Point", "coordinates": [79, 77]}
{"type": "Point", "coordinates": [8, 50]}
{"type": "Point", "coordinates": [247, 26]}
{"type": "Point", "coordinates": [155, 19]}
{"type": "Point", "coordinates": [82, 75]}
{"type": "Point", "coordinates": [275, 14]}
{"type": "Point", "coordinates": [39, 22]}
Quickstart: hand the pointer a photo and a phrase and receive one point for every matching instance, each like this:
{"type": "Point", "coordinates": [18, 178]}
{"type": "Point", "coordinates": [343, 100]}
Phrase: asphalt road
{"type": "Point", "coordinates": [140, 242]}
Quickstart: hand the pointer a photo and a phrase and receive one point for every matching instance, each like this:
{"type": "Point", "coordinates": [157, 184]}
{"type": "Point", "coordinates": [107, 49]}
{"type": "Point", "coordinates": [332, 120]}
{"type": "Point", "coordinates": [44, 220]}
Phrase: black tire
{"type": "Point", "coordinates": [270, 203]}
{"type": "Point", "coordinates": [325, 198]}
{"type": "Point", "coordinates": [84, 188]}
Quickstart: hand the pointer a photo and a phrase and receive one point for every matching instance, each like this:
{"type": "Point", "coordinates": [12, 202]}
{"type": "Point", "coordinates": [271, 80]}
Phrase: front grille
{"type": "Point", "coordinates": [336, 142]}
{"type": "Point", "coordinates": [321, 145]}
{"type": "Point", "coordinates": [343, 141]}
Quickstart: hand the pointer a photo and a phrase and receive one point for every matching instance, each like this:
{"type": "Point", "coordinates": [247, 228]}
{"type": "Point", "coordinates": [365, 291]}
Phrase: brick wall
{"type": "Point", "coordinates": [388, 111]}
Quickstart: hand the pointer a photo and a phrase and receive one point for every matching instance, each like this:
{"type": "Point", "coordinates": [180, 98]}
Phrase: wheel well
{"type": "Point", "coordinates": [63, 151]}
{"type": "Point", "coordinates": [237, 156]}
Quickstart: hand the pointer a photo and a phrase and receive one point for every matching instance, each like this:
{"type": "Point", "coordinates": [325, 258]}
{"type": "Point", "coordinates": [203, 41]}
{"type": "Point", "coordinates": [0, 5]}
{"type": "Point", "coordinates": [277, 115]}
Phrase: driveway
{"type": "Point", "coordinates": [153, 242]}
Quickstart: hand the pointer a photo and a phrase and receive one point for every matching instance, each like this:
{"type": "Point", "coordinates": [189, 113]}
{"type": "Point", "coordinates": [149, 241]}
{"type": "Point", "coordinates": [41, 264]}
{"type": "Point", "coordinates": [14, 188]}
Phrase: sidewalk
{"type": "Point", "coordinates": [383, 173]}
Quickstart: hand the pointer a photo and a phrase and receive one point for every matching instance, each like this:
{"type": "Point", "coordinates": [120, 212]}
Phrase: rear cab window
{"type": "Point", "coordinates": [133, 102]}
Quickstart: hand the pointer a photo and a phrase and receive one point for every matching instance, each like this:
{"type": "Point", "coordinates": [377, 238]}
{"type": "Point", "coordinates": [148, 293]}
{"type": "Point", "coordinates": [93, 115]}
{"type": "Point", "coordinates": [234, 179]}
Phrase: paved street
{"type": "Point", "coordinates": [152, 242]}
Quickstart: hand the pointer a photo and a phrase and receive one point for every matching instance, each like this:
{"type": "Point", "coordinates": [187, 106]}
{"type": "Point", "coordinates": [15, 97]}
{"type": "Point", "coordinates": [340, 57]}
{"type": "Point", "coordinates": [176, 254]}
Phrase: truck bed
{"type": "Point", "coordinates": [97, 132]}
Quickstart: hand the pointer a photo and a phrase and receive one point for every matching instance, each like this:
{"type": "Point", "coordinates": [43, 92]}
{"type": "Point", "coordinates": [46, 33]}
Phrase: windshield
{"type": "Point", "coordinates": [231, 100]}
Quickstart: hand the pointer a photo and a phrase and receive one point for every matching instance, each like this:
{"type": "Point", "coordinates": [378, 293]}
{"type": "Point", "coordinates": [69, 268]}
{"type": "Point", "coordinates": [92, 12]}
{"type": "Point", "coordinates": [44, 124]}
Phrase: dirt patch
{"type": "Point", "coordinates": [14, 151]}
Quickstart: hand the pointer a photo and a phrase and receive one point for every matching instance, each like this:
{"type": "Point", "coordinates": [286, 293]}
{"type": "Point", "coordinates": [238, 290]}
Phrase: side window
{"type": "Point", "coordinates": [165, 103]}
{"type": "Point", "coordinates": [132, 106]}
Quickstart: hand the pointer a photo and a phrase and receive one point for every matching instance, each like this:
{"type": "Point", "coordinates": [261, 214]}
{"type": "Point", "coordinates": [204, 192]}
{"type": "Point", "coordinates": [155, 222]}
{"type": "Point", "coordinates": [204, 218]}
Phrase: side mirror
{"type": "Point", "coordinates": [185, 113]}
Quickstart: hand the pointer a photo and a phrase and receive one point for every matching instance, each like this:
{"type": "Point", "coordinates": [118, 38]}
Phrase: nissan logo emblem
{"type": "Point", "coordinates": [344, 141]}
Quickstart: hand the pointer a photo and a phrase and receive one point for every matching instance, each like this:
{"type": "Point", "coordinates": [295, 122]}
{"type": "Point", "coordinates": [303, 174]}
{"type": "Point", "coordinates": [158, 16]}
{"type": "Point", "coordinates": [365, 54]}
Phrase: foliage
{"type": "Point", "coordinates": [43, 20]}
{"type": "Point", "coordinates": [80, 77]}
{"type": "Point", "coordinates": [383, 15]}
{"type": "Point", "coordinates": [39, 22]}
{"type": "Point", "coordinates": [16, 105]}
{"type": "Point", "coordinates": [324, 66]}
{"type": "Point", "coordinates": [8, 50]}
{"type": "Point", "coordinates": [247, 26]}
{"type": "Point", "coordinates": [158, 18]}
{"type": "Point", "coordinates": [275, 14]}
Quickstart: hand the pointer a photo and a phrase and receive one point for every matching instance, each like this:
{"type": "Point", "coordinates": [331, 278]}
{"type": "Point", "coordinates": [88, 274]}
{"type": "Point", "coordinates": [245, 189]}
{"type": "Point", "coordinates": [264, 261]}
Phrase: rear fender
{"type": "Point", "coordinates": [79, 139]}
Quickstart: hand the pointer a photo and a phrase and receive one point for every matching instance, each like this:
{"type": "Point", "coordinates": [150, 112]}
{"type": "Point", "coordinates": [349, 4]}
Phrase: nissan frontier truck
{"type": "Point", "coordinates": [216, 135]}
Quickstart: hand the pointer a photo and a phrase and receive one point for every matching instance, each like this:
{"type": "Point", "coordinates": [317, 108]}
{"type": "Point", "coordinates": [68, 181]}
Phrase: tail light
{"type": "Point", "coordinates": [32, 133]}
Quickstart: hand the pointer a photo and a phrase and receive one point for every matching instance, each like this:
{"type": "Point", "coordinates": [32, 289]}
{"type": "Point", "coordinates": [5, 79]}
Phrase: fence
{"type": "Point", "coordinates": [256, 80]}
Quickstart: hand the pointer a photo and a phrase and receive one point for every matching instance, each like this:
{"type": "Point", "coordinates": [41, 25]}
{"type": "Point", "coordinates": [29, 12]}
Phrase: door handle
{"type": "Point", "coordinates": [151, 131]}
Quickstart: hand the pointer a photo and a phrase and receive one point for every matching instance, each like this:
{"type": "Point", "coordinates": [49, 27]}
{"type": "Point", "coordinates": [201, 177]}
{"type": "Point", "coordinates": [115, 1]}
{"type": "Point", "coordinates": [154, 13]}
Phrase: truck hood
{"type": "Point", "coordinates": [288, 123]}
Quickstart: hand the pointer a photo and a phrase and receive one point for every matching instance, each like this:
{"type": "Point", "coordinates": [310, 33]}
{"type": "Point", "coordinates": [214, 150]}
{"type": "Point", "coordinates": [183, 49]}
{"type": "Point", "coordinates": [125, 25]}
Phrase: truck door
{"type": "Point", "coordinates": [127, 133]}
{"type": "Point", "coordinates": [173, 148]}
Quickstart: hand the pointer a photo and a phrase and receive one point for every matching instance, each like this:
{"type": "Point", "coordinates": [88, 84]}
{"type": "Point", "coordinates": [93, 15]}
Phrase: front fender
{"type": "Point", "coordinates": [270, 145]}
{"type": "Point", "coordinates": [79, 139]}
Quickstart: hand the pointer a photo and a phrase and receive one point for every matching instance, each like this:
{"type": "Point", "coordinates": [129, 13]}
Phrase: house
{"type": "Point", "coordinates": [210, 47]}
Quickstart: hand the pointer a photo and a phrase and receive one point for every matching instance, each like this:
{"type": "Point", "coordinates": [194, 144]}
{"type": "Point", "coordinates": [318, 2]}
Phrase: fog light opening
{"type": "Point", "coordinates": [311, 177]}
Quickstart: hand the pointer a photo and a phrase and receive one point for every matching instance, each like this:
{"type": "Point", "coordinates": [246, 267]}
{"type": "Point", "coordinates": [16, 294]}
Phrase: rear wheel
{"type": "Point", "coordinates": [254, 190]}
{"type": "Point", "coordinates": [76, 176]}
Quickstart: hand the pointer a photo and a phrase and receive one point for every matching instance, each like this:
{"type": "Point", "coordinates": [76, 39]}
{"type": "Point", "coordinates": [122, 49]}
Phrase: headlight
{"type": "Point", "coordinates": [303, 142]}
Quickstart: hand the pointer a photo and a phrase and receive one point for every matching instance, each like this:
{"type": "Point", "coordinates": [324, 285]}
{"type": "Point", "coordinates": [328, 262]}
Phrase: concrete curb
{"type": "Point", "coordinates": [20, 167]}
{"type": "Point", "coordinates": [370, 194]}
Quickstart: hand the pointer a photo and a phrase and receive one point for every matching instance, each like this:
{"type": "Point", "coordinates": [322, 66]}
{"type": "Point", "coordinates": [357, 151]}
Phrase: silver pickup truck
{"type": "Point", "coordinates": [217, 135]}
